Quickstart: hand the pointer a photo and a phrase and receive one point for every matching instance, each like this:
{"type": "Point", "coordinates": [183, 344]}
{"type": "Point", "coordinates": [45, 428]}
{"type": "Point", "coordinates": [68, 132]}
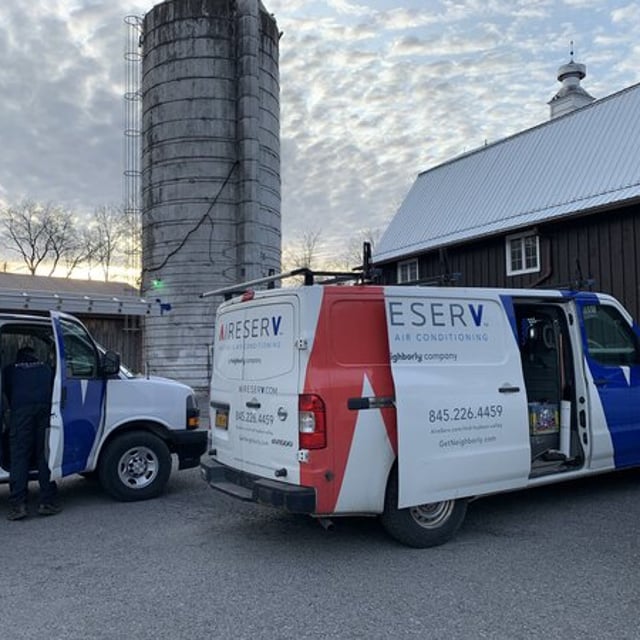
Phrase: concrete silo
{"type": "Point", "coordinates": [210, 168]}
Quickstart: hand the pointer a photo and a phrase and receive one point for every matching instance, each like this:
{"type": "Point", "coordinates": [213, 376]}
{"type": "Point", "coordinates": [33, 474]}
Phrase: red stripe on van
{"type": "Point", "coordinates": [350, 342]}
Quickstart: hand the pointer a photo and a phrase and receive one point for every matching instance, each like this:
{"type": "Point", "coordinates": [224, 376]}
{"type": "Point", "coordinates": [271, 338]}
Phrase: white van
{"type": "Point", "coordinates": [104, 420]}
{"type": "Point", "coordinates": [407, 401]}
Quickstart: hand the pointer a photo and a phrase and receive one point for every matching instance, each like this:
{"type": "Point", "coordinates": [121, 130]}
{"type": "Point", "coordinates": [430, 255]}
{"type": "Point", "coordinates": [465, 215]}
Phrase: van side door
{"type": "Point", "coordinates": [78, 399]}
{"type": "Point", "coordinates": [611, 345]}
{"type": "Point", "coordinates": [460, 397]}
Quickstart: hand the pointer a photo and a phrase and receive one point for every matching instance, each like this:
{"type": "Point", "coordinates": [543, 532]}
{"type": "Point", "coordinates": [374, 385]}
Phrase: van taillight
{"type": "Point", "coordinates": [312, 424]}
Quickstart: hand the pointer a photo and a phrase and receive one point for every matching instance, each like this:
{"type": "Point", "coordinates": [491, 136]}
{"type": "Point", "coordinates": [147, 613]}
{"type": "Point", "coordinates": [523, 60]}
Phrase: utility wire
{"type": "Point", "coordinates": [198, 225]}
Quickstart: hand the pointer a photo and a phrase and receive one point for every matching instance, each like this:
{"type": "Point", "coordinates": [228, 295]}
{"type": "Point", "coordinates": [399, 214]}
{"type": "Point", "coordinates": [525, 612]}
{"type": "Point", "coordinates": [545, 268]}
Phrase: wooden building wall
{"type": "Point", "coordinates": [122, 334]}
{"type": "Point", "coordinates": [604, 244]}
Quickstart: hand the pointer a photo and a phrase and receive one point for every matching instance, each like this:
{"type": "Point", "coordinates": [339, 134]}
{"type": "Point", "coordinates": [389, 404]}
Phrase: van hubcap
{"type": "Point", "coordinates": [432, 515]}
{"type": "Point", "coordinates": [138, 467]}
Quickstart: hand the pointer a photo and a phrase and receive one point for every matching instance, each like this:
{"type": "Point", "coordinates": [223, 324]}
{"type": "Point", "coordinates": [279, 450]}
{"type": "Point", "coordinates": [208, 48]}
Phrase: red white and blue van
{"type": "Point", "coordinates": [405, 402]}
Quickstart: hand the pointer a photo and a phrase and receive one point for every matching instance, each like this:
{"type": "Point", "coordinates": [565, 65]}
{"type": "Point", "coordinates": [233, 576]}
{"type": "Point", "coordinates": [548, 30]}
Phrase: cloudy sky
{"type": "Point", "coordinates": [371, 94]}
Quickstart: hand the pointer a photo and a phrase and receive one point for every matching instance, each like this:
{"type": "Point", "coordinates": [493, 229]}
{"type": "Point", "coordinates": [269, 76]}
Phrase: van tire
{"type": "Point", "coordinates": [423, 526]}
{"type": "Point", "coordinates": [135, 466]}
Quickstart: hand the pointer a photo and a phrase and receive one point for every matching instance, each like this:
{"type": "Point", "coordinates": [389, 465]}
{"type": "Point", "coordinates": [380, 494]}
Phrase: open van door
{"type": "Point", "coordinates": [612, 351]}
{"type": "Point", "coordinates": [77, 408]}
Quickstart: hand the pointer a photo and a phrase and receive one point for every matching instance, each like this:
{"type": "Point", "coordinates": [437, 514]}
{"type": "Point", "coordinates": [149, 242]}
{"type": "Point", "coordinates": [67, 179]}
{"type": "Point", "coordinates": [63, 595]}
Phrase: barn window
{"type": "Point", "coordinates": [407, 271]}
{"type": "Point", "coordinates": [523, 254]}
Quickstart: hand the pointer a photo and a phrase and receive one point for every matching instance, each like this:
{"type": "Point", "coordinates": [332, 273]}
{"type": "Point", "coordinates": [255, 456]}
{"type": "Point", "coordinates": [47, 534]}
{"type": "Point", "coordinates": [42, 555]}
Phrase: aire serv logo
{"type": "Point", "coordinates": [450, 315]}
{"type": "Point", "coordinates": [259, 327]}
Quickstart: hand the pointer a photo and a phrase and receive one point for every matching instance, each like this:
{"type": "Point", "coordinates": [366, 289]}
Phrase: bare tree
{"type": "Point", "coordinates": [47, 236]}
{"type": "Point", "coordinates": [67, 239]}
{"type": "Point", "coordinates": [109, 237]}
{"type": "Point", "coordinates": [27, 232]}
{"type": "Point", "coordinates": [304, 252]}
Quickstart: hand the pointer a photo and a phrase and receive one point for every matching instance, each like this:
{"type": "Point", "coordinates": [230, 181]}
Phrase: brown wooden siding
{"type": "Point", "coordinates": [121, 334]}
{"type": "Point", "coordinates": [603, 244]}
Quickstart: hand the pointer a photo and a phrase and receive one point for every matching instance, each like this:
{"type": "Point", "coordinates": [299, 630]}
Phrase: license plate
{"type": "Point", "coordinates": [222, 419]}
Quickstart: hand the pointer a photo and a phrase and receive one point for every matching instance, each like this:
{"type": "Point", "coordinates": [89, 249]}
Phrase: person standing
{"type": "Point", "coordinates": [28, 385]}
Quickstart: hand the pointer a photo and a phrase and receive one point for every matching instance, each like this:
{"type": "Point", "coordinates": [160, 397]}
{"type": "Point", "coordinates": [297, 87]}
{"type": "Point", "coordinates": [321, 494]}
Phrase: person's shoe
{"type": "Point", "coordinates": [18, 512]}
{"type": "Point", "coordinates": [49, 509]}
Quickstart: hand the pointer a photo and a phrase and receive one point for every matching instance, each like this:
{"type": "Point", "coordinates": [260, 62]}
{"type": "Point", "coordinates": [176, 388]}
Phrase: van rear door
{"type": "Point", "coordinates": [460, 396]}
{"type": "Point", "coordinates": [254, 389]}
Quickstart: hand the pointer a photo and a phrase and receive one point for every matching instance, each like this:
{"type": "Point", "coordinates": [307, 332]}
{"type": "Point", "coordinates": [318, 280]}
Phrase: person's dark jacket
{"type": "Point", "coordinates": [28, 381]}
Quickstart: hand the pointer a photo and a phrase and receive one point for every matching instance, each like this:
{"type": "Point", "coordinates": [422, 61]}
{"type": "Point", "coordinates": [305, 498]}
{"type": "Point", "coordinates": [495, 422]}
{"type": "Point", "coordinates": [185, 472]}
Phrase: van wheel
{"type": "Point", "coordinates": [135, 466]}
{"type": "Point", "coordinates": [426, 525]}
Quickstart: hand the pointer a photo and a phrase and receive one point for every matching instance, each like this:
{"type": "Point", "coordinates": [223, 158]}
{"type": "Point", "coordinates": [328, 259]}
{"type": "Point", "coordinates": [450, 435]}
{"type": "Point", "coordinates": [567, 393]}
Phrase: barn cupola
{"type": "Point", "coordinates": [571, 95]}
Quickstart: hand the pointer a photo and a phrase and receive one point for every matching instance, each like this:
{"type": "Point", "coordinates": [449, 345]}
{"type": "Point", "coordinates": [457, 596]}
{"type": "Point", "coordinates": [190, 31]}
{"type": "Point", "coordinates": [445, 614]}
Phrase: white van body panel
{"type": "Point", "coordinates": [601, 449]}
{"type": "Point", "coordinates": [56, 427]}
{"type": "Point", "coordinates": [141, 400]}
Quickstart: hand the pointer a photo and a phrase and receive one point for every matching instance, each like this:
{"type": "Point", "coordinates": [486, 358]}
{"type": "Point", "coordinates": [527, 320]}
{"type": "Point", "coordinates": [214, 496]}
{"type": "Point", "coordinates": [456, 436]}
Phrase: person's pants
{"type": "Point", "coordinates": [27, 432]}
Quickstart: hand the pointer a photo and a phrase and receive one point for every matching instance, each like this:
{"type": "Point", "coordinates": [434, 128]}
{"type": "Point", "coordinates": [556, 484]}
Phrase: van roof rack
{"type": "Point", "coordinates": [365, 273]}
{"type": "Point", "coordinates": [310, 277]}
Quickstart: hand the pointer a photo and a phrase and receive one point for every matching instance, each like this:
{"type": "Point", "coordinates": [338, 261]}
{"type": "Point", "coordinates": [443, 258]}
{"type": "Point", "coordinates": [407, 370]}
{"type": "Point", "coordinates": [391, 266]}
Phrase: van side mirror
{"type": "Point", "coordinates": [110, 363]}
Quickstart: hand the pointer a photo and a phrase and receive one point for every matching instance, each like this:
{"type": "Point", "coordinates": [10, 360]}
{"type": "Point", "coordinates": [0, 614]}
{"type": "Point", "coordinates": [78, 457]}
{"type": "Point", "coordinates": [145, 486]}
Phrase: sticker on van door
{"type": "Point", "coordinates": [255, 343]}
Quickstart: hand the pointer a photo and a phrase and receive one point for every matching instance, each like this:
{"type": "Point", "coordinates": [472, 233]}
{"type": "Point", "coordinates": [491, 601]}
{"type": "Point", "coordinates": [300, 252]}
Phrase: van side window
{"type": "Point", "coordinates": [80, 352]}
{"type": "Point", "coordinates": [610, 339]}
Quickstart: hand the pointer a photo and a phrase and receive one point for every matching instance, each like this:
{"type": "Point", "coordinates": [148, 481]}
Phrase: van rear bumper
{"type": "Point", "coordinates": [245, 486]}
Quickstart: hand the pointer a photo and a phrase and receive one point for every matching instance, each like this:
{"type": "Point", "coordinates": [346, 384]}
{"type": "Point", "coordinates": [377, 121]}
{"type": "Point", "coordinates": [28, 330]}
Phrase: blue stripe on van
{"type": "Point", "coordinates": [82, 415]}
{"type": "Point", "coordinates": [507, 303]}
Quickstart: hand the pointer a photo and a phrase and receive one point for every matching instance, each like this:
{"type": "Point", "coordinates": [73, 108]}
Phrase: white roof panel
{"type": "Point", "coordinates": [586, 159]}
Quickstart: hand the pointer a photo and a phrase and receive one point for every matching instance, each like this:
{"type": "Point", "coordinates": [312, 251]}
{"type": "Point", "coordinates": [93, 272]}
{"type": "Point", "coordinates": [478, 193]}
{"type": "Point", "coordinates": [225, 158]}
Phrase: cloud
{"type": "Point", "coordinates": [343, 7]}
{"type": "Point", "coordinates": [371, 94]}
{"type": "Point", "coordinates": [61, 109]}
{"type": "Point", "coordinates": [628, 15]}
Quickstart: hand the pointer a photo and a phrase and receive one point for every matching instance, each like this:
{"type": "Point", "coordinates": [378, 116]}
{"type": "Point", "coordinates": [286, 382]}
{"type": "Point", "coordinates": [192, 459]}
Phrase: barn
{"type": "Point", "coordinates": [557, 205]}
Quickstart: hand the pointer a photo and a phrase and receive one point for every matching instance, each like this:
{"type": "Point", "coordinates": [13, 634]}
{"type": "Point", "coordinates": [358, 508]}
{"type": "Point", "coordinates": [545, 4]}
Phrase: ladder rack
{"type": "Point", "coordinates": [80, 303]}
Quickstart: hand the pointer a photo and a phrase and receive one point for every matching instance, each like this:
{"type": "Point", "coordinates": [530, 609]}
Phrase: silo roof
{"type": "Point", "coordinates": [585, 160]}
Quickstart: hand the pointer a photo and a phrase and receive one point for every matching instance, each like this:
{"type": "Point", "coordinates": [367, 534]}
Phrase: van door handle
{"type": "Point", "coordinates": [253, 404]}
{"type": "Point", "coordinates": [600, 382]}
{"type": "Point", "coordinates": [507, 388]}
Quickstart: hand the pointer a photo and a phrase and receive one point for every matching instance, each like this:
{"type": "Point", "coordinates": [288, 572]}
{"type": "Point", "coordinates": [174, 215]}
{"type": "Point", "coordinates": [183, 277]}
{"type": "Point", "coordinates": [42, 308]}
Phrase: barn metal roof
{"type": "Point", "coordinates": [584, 160]}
